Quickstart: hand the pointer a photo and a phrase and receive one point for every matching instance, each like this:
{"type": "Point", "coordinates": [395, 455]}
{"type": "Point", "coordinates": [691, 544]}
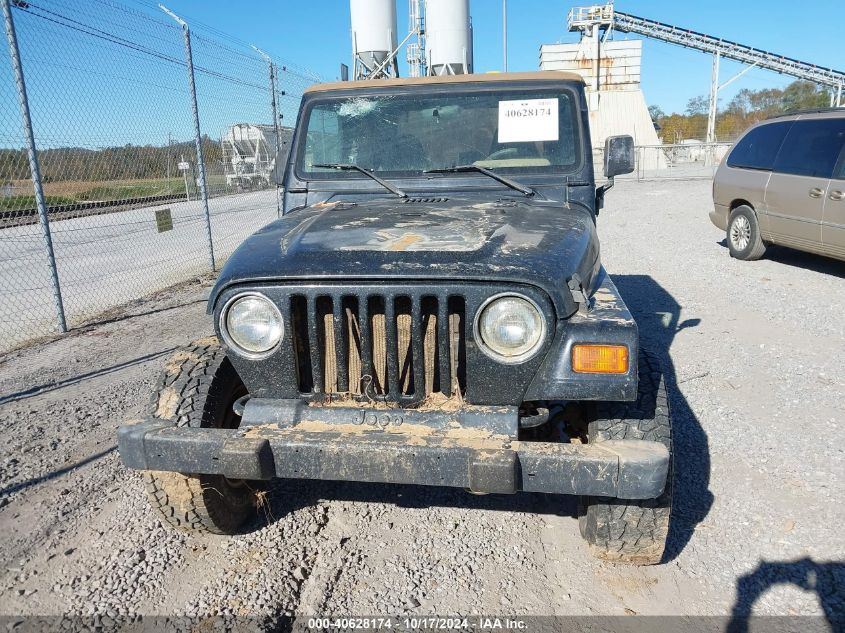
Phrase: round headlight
{"type": "Point", "coordinates": [511, 328]}
{"type": "Point", "coordinates": [252, 324]}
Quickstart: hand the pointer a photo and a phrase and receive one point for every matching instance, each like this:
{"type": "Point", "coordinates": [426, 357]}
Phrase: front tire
{"type": "Point", "coordinates": [197, 389]}
{"type": "Point", "coordinates": [631, 531]}
{"type": "Point", "coordinates": [743, 234]}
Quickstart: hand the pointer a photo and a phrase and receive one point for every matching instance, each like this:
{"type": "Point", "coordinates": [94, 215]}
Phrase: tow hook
{"type": "Point", "coordinates": [239, 405]}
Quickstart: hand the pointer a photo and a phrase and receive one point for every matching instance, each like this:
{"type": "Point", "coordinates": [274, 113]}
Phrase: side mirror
{"type": "Point", "coordinates": [618, 160]}
{"type": "Point", "coordinates": [618, 155]}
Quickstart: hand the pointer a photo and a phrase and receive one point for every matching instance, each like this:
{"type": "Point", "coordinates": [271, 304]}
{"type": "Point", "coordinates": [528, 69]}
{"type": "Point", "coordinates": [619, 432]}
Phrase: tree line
{"type": "Point", "coordinates": [746, 108]}
{"type": "Point", "coordinates": [128, 162]}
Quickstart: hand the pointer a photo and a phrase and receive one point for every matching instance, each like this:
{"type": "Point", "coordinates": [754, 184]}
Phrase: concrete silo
{"type": "Point", "coordinates": [374, 42]}
{"type": "Point", "coordinates": [448, 37]}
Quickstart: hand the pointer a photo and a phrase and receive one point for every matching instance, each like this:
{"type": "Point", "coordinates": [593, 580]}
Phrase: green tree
{"type": "Point", "coordinates": [744, 109]}
{"type": "Point", "coordinates": [656, 112]}
{"type": "Point", "coordinates": [801, 95]}
{"type": "Point", "coordinates": [698, 105]}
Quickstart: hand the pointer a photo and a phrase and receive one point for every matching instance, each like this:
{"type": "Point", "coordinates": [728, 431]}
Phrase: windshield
{"type": "Point", "coordinates": [404, 135]}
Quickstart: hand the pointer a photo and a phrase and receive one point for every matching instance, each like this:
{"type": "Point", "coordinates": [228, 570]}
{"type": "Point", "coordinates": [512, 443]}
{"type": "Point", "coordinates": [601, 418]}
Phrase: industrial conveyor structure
{"type": "Point", "coordinates": [604, 17]}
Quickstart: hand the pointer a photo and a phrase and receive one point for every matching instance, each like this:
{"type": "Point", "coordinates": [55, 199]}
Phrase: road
{"type": "Point", "coordinates": [752, 355]}
{"type": "Point", "coordinates": [107, 260]}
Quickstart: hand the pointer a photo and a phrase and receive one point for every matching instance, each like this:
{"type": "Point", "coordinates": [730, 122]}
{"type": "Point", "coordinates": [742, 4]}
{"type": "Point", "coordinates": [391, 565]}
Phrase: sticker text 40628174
{"type": "Point", "coordinates": [528, 120]}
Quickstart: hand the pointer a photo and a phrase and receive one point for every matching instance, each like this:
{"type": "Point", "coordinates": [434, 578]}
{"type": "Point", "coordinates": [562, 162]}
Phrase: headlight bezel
{"type": "Point", "coordinates": [227, 337]}
{"type": "Point", "coordinates": [489, 352]}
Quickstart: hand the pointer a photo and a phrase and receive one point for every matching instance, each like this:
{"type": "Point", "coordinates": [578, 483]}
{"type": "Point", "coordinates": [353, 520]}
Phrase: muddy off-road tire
{"type": "Point", "coordinates": [197, 388]}
{"type": "Point", "coordinates": [623, 530]}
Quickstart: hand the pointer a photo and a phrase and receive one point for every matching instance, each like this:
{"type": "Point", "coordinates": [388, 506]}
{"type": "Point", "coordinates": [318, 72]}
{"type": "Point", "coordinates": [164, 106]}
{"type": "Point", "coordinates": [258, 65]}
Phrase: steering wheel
{"type": "Point", "coordinates": [507, 152]}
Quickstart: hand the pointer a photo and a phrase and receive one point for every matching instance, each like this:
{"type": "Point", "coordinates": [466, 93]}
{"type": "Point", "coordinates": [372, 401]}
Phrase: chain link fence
{"type": "Point", "coordinates": [128, 207]}
{"type": "Point", "coordinates": [155, 156]}
{"type": "Point", "coordinates": [690, 160]}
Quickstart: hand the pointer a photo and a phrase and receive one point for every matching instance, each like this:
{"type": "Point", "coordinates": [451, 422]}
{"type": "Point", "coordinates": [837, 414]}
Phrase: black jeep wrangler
{"type": "Point", "coordinates": [430, 309]}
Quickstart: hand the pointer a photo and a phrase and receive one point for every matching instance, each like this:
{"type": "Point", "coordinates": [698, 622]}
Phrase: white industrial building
{"type": "Point", "coordinates": [250, 153]}
{"type": "Point", "coordinates": [611, 70]}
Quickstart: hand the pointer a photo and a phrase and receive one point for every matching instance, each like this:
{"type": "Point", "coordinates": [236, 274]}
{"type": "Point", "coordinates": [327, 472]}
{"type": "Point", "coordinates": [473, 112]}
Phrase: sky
{"type": "Point", "coordinates": [101, 73]}
{"type": "Point", "coordinates": [315, 34]}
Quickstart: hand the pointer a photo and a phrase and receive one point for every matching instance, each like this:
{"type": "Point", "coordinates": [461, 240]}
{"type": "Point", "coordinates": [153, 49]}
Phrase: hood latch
{"type": "Point", "coordinates": [579, 295]}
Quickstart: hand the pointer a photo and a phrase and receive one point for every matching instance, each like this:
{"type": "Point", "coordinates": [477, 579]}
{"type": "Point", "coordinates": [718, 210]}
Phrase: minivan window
{"type": "Point", "coordinates": [758, 148]}
{"type": "Point", "coordinates": [811, 148]}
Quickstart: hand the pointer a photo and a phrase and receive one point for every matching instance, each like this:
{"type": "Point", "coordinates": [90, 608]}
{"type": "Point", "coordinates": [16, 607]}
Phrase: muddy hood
{"type": "Point", "coordinates": [521, 241]}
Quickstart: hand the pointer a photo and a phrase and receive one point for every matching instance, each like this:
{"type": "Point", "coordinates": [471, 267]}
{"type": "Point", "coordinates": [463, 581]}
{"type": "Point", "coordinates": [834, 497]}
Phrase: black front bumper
{"type": "Point", "coordinates": [409, 453]}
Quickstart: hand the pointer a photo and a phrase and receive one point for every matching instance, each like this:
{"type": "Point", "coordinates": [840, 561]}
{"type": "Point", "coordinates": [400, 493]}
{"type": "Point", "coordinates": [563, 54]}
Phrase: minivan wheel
{"type": "Point", "coordinates": [744, 241]}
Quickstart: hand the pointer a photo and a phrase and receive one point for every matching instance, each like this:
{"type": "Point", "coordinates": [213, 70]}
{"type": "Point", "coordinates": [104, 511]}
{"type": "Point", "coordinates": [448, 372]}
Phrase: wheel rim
{"type": "Point", "coordinates": [740, 232]}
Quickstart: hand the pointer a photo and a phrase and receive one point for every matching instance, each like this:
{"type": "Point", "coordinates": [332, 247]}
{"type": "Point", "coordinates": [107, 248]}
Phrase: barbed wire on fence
{"type": "Point", "coordinates": [110, 104]}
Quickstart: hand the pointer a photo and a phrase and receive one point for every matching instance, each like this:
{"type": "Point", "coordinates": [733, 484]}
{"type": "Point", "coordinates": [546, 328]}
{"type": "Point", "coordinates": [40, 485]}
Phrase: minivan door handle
{"type": "Point", "coordinates": [815, 192]}
{"type": "Point", "coordinates": [837, 195]}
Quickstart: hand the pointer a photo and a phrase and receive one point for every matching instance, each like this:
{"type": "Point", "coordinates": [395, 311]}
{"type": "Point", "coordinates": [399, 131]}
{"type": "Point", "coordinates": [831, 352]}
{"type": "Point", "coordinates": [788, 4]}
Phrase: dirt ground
{"type": "Point", "coordinates": [753, 359]}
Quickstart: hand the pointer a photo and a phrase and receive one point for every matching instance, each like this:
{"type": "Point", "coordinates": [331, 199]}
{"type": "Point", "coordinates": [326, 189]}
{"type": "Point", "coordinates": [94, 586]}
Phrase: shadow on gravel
{"type": "Point", "coordinates": [827, 580]}
{"type": "Point", "coordinates": [107, 318]}
{"type": "Point", "coordinates": [38, 390]}
{"type": "Point", "coordinates": [56, 473]}
{"type": "Point", "coordinates": [288, 496]}
{"type": "Point", "coordinates": [800, 259]}
{"type": "Point", "coordinates": [658, 316]}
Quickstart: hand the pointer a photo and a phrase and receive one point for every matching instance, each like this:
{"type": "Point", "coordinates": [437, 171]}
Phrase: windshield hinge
{"type": "Point", "coordinates": [579, 295]}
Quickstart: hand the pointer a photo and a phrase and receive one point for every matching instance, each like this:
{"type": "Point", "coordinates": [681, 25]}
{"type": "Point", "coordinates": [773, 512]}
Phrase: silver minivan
{"type": "Point", "coordinates": [783, 182]}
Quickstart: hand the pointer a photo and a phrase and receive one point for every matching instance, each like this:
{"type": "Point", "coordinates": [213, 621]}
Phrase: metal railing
{"type": "Point", "coordinates": [679, 161]}
{"type": "Point", "coordinates": [113, 180]}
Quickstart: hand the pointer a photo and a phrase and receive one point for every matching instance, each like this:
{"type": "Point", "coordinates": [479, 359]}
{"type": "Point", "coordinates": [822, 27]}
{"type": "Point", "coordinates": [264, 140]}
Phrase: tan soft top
{"type": "Point", "coordinates": [540, 75]}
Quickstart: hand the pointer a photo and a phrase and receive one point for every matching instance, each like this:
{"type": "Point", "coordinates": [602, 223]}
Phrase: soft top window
{"type": "Point", "coordinates": [403, 135]}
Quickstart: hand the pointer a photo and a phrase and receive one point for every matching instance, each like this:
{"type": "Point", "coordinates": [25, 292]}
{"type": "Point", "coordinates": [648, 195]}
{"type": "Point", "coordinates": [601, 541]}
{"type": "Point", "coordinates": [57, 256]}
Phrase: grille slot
{"type": "Point", "coordinates": [399, 348]}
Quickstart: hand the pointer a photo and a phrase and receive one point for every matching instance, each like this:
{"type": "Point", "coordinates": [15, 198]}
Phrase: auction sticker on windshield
{"type": "Point", "coordinates": [528, 120]}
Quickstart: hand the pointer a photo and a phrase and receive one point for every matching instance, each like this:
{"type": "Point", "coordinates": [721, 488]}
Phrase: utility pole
{"type": "Point", "coordinates": [271, 67]}
{"type": "Point", "coordinates": [169, 149]}
{"type": "Point", "coordinates": [714, 99]}
{"type": "Point", "coordinates": [183, 167]}
{"type": "Point", "coordinates": [505, 33]}
{"type": "Point", "coordinates": [273, 74]}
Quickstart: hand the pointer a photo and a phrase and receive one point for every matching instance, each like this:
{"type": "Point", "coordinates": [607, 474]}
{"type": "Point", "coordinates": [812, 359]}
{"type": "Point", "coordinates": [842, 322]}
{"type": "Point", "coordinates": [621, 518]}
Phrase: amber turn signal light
{"type": "Point", "coordinates": [600, 359]}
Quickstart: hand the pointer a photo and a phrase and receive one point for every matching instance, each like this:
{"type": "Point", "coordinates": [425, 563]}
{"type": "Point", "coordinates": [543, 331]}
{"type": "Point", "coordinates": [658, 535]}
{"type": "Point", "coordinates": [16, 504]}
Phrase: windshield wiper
{"type": "Point", "coordinates": [352, 167]}
{"type": "Point", "coordinates": [487, 172]}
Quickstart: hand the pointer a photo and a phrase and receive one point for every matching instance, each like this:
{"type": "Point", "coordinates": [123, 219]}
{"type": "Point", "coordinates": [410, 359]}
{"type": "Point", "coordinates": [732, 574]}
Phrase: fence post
{"type": "Point", "coordinates": [34, 167]}
{"type": "Point", "coordinates": [272, 71]}
{"type": "Point", "coordinates": [189, 58]}
{"type": "Point", "coordinates": [640, 159]}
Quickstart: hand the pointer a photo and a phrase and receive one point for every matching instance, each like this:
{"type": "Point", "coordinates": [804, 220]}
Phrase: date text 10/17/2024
{"type": "Point", "coordinates": [414, 623]}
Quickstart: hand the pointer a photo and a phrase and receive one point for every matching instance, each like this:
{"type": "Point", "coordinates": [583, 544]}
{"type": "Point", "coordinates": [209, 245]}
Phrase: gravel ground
{"type": "Point", "coordinates": [752, 352]}
{"type": "Point", "coordinates": [109, 259]}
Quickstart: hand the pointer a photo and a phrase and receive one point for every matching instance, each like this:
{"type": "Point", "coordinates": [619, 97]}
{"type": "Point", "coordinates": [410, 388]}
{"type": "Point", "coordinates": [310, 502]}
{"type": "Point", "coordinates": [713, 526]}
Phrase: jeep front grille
{"type": "Point", "coordinates": [398, 347]}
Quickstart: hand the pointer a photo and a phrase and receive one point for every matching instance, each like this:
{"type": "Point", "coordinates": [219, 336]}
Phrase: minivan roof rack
{"type": "Point", "coordinates": [806, 111]}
